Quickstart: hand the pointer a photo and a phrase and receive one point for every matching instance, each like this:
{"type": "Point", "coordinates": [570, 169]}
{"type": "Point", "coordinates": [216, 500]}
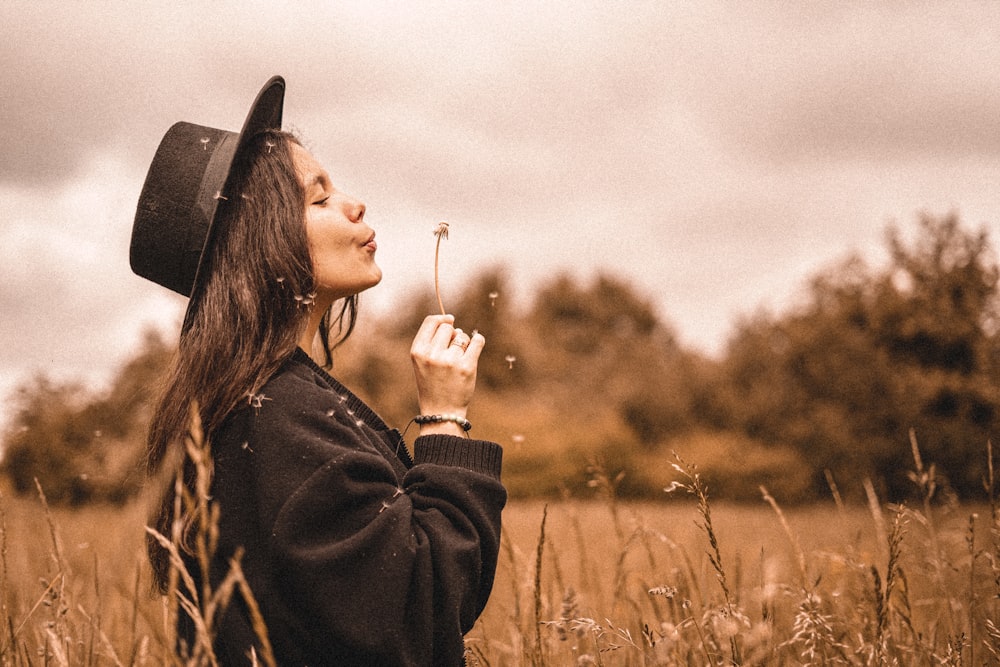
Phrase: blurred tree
{"type": "Point", "coordinates": [82, 446]}
{"type": "Point", "coordinates": [603, 347]}
{"type": "Point", "coordinates": [875, 353]}
{"type": "Point", "coordinates": [936, 315]}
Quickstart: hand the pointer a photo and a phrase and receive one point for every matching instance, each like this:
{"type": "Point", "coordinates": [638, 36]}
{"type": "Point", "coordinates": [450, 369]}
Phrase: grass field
{"type": "Point", "coordinates": [590, 582]}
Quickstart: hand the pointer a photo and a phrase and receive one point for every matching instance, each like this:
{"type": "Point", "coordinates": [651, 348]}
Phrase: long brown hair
{"type": "Point", "coordinates": [246, 319]}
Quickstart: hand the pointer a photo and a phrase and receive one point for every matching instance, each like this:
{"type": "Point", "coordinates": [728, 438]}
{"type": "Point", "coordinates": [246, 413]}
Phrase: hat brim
{"type": "Point", "coordinates": [265, 114]}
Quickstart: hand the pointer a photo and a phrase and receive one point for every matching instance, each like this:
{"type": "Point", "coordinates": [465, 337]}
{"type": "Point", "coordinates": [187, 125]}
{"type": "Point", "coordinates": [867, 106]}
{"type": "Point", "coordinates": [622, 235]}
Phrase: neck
{"type": "Point", "coordinates": [308, 338]}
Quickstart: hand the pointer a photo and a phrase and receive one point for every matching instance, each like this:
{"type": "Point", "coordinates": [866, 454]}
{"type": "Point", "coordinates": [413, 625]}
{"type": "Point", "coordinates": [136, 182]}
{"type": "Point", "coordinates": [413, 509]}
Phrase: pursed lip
{"type": "Point", "coordinates": [370, 243]}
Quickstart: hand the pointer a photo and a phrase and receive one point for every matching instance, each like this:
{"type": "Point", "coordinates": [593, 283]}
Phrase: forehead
{"type": "Point", "coordinates": [311, 172]}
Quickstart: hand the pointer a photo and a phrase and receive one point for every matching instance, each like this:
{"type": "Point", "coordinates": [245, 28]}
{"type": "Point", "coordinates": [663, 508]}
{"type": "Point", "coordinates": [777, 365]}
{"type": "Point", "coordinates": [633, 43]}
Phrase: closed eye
{"type": "Point", "coordinates": [321, 202]}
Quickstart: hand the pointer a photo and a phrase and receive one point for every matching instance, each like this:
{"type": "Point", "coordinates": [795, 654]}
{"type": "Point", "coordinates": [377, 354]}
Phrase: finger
{"type": "Point", "coordinates": [460, 339]}
{"type": "Point", "coordinates": [428, 328]}
{"type": "Point", "coordinates": [476, 345]}
{"type": "Point", "coordinates": [442, 336]}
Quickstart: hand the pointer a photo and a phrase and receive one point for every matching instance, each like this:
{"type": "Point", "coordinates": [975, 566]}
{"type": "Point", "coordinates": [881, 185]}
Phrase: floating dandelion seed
{"type": "Point", "coordinates": [257, 400]}
{"type": "Point", "coordinates": [204, 143]}
{"type": "Point", "coordinates": [219, 195]}
{"type": "Point", "coordinates": [441, 232]}
{"type": "Point", "coordinates": [493, 298]}
{"type": "Point", "coordinates": [510, 359]}
{"type": "Point", "coordinates": [270, 145]}
{"type": "Point", "coordinates": [307, 300]}
{"type": "Point", "coordinates": [517, 439]}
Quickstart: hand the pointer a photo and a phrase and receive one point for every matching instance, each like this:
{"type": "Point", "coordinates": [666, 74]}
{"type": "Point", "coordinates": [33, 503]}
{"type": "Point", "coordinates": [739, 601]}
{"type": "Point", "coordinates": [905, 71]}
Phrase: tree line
{"type": "Point", "coordinates": [878, 374]}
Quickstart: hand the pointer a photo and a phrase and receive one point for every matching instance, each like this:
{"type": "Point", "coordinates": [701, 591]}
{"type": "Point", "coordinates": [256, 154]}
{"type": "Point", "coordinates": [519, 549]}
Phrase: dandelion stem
{"type": "Point", "coordinates": [441, 232]}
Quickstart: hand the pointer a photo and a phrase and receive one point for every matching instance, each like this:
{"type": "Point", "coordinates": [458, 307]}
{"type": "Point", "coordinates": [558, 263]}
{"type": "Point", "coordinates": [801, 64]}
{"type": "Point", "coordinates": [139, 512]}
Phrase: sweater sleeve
{"type": "Point", "coordinates": [380, 564]}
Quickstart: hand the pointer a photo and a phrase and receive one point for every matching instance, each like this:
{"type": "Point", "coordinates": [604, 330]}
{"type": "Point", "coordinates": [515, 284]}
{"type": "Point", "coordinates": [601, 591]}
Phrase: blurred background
{"type": "Point", "coordinates": [758, 234]}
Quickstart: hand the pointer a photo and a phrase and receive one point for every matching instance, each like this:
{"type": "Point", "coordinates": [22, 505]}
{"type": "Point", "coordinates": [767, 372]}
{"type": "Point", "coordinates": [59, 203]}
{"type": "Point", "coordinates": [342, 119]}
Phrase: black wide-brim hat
{"type": "Point", "coordinates": [179, 202]}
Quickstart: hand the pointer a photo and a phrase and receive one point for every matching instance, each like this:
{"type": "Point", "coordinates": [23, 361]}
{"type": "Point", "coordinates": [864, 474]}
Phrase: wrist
{"type": "Point", "coordinates": [443, 423]}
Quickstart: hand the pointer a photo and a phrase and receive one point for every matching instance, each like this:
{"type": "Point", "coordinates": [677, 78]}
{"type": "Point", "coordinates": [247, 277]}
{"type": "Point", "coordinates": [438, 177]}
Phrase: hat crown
{"type": "Point", "coordinates": [184, 186]}
{"type": "Point", "coordinates": [178, 204]}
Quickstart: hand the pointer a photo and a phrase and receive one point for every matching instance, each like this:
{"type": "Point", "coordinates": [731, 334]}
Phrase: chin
{"type": "Point", "coordinates": [375, 280]}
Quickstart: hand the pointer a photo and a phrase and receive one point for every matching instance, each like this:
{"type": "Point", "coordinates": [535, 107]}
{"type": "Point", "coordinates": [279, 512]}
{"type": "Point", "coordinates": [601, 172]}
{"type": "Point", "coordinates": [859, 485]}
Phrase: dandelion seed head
{"type": "Point", "coordinates": [441, 230]}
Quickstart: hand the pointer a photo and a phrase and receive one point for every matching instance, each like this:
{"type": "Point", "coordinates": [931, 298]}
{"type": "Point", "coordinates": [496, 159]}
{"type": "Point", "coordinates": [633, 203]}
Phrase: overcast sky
{"type": "Point", "coordinates": [715, 154]}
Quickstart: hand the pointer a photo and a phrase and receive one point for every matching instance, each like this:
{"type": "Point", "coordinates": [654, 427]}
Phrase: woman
{"type": "Point", "coordinates": [355, 552]}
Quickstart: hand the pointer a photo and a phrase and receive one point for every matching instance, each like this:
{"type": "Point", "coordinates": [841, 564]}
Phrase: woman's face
{"type": "Point", "coordinates": [341, 244]}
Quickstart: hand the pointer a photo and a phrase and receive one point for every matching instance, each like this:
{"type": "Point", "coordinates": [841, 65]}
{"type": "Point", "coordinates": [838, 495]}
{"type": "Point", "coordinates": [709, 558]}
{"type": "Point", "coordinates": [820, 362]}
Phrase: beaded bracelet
{"type": "Point", "coordinates": [437, 419]}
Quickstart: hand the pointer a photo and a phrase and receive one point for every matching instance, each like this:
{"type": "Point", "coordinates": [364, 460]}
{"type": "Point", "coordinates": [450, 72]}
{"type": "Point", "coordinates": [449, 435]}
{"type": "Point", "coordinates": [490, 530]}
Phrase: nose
{"type": "Point", "coordinates": [355, 210]}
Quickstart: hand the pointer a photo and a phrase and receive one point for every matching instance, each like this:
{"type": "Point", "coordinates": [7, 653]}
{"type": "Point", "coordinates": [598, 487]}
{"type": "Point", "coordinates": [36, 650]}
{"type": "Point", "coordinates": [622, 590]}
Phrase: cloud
{"type": "Point", "coordinates": [857, 82]}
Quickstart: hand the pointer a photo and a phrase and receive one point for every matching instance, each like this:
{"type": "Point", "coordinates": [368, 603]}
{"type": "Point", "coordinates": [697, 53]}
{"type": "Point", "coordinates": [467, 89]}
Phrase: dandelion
{"type": "Point", "coordinates": [441, 232]}
{"type": "Point", "coordinates": [510, 359]}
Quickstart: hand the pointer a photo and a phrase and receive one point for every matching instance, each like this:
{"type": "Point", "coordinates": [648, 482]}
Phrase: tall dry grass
{"type": "Point", "coordinates": [581, 582]}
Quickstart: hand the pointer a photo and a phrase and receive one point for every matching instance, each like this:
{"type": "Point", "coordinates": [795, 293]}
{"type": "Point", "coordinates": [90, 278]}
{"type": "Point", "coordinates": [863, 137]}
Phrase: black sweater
{"type": "Point", "coordinates": [357, 553]}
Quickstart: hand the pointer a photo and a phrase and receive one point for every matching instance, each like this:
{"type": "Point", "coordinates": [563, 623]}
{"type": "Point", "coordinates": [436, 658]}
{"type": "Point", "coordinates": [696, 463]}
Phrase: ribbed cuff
{"type": "Point", "coordinates": [480, 456]}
